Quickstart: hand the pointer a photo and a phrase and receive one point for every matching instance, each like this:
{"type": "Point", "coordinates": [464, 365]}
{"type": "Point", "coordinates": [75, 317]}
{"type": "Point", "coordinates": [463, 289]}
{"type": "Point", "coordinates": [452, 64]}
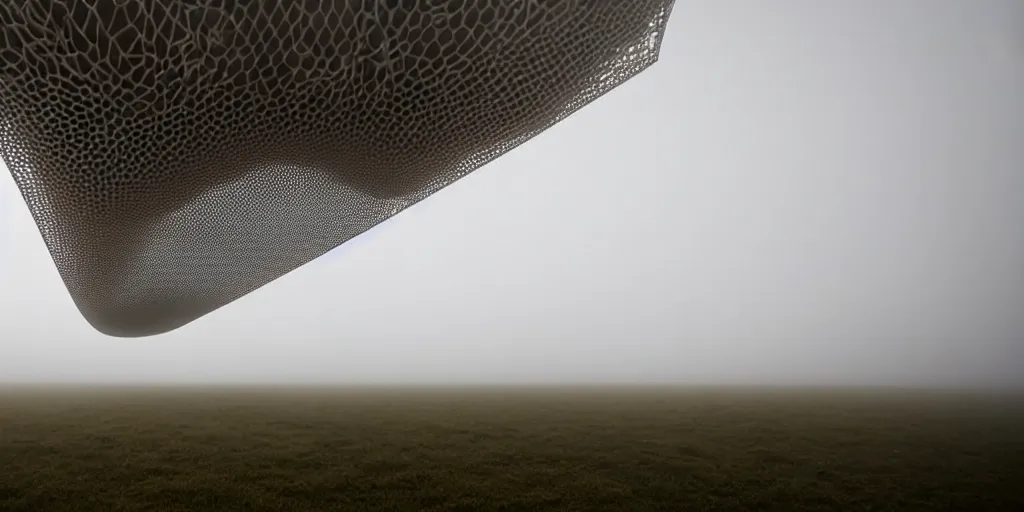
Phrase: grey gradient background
{"type": "Point", "coordinates": [800, 191]}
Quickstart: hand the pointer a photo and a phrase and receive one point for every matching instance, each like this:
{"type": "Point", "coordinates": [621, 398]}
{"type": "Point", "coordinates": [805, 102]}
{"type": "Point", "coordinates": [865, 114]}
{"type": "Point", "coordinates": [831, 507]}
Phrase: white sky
{"type": "Point", "coordinates": [801, 191]}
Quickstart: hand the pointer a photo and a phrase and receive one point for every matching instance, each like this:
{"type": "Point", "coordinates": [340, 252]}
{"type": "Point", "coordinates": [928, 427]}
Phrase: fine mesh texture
{"type": "Point", "coordinates": [177, 155]}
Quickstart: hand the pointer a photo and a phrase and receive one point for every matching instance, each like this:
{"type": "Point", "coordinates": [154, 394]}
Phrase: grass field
{"type": "Point", "coordinates": [294, 449]}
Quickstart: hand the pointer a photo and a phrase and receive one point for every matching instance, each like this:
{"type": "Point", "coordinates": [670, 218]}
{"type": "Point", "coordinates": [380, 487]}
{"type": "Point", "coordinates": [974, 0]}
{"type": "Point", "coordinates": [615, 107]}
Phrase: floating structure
{"type": "Point", "coordinates": [179, 155]}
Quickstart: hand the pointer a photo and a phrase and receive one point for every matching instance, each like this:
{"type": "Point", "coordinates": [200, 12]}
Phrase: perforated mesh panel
{"type": "Point", "coordinates": [177, 154]}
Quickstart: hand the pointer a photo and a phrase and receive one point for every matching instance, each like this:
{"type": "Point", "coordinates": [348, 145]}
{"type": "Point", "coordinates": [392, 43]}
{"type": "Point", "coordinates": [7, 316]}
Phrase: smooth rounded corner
{"type": "Point", "coordinates": [135, 322]}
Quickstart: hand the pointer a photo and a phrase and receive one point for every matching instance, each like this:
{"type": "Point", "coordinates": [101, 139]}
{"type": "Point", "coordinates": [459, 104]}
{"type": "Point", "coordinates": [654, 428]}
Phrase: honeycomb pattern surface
{"type": "Point", "coordinates": [179, 154]}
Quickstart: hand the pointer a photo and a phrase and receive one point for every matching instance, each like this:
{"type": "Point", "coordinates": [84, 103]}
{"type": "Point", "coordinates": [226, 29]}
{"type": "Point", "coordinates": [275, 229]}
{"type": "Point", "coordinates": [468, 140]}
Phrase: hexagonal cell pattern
{"type": "Point", "coordinates": [177, 155]}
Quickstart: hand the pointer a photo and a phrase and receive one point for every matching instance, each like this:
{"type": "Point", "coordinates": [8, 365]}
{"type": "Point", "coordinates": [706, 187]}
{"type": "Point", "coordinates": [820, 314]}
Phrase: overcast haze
{"type": "Point", "coordinates": [800, 191]}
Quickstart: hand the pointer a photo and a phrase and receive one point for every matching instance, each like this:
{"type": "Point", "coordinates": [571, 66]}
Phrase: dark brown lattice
{"type": "Point", "coordinates": [178, 154]}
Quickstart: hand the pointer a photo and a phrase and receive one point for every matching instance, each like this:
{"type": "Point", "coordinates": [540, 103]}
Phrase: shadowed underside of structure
{"type": "Point", "coordinates": [177, 155]}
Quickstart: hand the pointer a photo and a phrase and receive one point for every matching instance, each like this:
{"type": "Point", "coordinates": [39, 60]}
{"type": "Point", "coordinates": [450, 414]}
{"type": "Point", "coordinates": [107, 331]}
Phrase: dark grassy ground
{"type": "Point", "coordinates": [509, 449]}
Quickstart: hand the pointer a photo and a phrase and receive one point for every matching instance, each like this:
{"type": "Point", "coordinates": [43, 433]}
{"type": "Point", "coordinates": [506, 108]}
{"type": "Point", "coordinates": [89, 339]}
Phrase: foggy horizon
{"type": "Point", "coordinates": [828, 194]}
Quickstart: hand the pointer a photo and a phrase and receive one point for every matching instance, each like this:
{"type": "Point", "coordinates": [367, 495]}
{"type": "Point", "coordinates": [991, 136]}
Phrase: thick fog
{"type": "Point", "coordinates": [800, 191]}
